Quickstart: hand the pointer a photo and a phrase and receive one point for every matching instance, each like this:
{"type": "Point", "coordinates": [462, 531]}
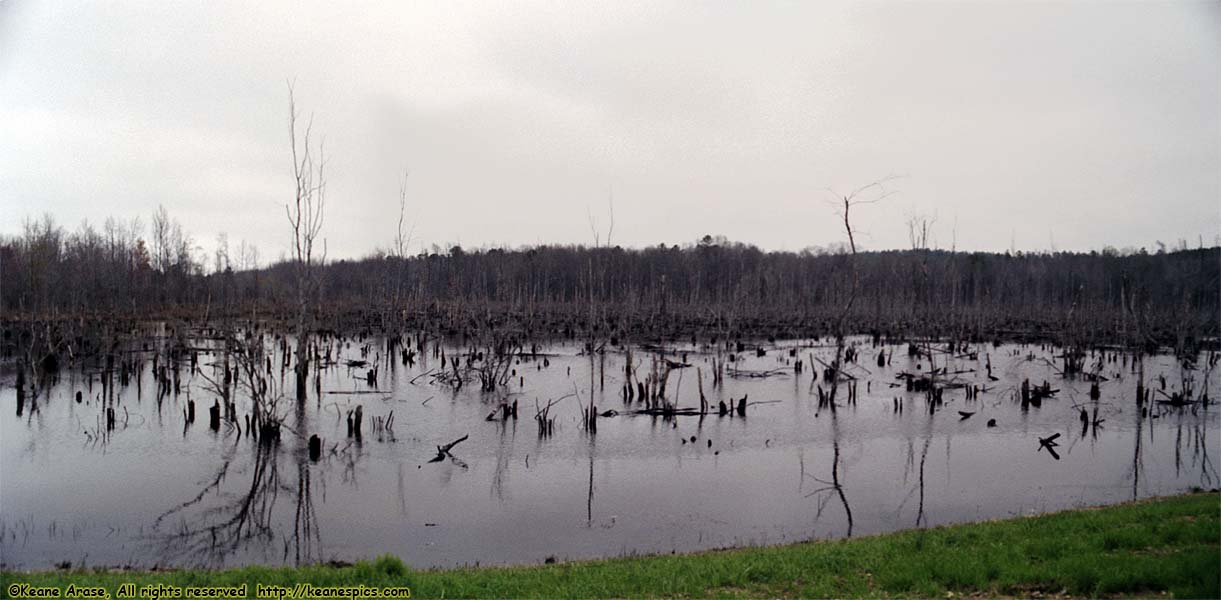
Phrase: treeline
{"type": "Point", "coordinates": [715, 283]}
{"type": "Point", "coordinates": [1172, 294]}
{"type": "Point", "coordinates": [119, 268]}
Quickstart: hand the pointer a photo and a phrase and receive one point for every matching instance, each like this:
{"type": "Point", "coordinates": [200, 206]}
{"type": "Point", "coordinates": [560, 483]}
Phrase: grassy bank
{"type": "Point", "coordinates": [1166, 545]}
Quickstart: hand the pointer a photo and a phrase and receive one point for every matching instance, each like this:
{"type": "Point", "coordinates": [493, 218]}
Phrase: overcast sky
{"type": "Point", "coordinates": [1065, 125]}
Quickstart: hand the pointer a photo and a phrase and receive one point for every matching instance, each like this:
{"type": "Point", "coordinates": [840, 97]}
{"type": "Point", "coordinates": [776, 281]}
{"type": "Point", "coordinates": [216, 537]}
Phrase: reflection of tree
{"type": "Point", "coordinates": [834, 487]}
{"type": "Point", "coordinates": [1136, 455]}
{"type": "Point", "coordinates": [920, 520]}
{"type": "Point", "coordinates": [1178, 444]}
{"type": "Point", "coordinates": [402, 493]}
{"type": "Point", "coordinates": [589, 500]}
{"type": "Point", "coordinates": [1194, 436]}
{"type": "Point", "coordinates": [1208, 472]}
{"type": "Point", "coordinates": [195, 533]}
{"type": "Point", "coordinates": [919, 468]}
{"type": "Point", "coordinates": [504, 453]}
{"type": "Point", "coordinates": [306, 542]}
{"type": "Point", "coordinates": [208, 535]}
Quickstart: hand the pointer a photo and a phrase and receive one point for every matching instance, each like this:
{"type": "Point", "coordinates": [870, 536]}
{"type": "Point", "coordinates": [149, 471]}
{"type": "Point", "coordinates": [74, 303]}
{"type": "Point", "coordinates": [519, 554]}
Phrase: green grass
{"type": "Point", "coordinates": [1168, 545]}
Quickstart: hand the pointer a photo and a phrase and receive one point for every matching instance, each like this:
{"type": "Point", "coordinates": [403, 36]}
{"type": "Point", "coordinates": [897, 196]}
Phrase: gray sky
{"type": "Point", "coordinates": [1077, 125]}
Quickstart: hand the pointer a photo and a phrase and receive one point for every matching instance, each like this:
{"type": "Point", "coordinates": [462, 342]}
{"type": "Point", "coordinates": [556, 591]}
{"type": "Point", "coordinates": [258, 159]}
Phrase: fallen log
{"type": "Point", "coordinates": [450, 446]}
{"type": "Point", "coordinates": [443, 451]}
{"type": "Point", "coordinates": [1049, 442]}
{"type": "Point", "coordinates": [733, 372]}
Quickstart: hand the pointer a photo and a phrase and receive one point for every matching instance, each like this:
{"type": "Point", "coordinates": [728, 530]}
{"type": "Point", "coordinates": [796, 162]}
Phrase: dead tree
{"type": "Point", "coordinates": [392, 307]}
{"type": "Point", "coordinates": [305, 217]}
{"type": "Point", "coordinates": [850, 200]}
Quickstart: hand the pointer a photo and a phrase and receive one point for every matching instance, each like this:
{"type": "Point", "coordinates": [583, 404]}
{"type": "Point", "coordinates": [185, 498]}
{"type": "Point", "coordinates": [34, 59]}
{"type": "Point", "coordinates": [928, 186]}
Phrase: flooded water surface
{"type": "Point", "coordinates": [158, 489]}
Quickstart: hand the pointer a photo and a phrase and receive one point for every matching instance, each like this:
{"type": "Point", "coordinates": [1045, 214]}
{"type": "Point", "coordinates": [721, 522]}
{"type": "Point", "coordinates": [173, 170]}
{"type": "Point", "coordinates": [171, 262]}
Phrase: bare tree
{"type": "Point", "coordinates": [919, 227]}
{"type": "Point", "coordinates": [161, 239]}
{"type": "Point", "coordinates": [402, 238]}
{"type": "Point", "coordinates": [305, 215]}
{"type": "Point", "coordinates": [247, 256]}
{"type": "Point", "coordinates": [857, 197]}
{"type": "Point", "coordinates": [593, 223]}
{"type": "Point", "coordinates": [221, 257]}
{"type": "Point", "coordinates": [849, 201]}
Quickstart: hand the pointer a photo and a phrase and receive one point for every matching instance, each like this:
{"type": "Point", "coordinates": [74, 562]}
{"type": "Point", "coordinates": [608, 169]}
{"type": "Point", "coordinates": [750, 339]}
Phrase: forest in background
{"type": "Point", "coordinates": [711, 285]}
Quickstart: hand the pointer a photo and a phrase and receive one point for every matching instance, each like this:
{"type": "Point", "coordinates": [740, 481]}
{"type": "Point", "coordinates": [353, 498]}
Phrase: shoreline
{"type": "Point", "coordinates": [1166, 544]}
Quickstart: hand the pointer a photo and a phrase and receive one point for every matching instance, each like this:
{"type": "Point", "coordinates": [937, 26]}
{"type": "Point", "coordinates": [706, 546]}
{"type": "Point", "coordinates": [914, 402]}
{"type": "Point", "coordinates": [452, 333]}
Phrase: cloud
{"type": "Point", "coordinates": [1094, 124]}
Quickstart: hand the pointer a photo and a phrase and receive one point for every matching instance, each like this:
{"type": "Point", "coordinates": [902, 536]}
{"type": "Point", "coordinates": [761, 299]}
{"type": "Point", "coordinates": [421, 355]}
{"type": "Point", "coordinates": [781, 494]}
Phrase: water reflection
{"type": "Point", "coordinates": [834, 487]}
{"type": "Point", "coordinates": [1136, 453]}
{"type": "Point", "coordinates": [195, 532]}
{"type": "Point", "coordinates": [863, 468]}
{"type": "Point", "coordinates": [306, 541]}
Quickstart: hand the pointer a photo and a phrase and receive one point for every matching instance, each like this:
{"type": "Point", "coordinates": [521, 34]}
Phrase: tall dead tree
{"type": "Point", "coordinates": [402, 238]}
{"type": "Point", "coordinates": [305, 217]}
{"type": "Point", "coordinates": [853, 199]}
{"type": "Point", "coordinates": [594, 344]}
{"type": "Point", "coordinates": [918, 229]}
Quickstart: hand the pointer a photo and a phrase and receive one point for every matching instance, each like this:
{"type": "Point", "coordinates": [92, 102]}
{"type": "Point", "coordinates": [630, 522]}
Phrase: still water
{"type": "Point", "coordinates": [158, 490]}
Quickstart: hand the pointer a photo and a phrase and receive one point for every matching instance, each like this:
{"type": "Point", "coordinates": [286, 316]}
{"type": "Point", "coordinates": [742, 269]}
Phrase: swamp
{"type": "Point", "coordinates": [185, 445]}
